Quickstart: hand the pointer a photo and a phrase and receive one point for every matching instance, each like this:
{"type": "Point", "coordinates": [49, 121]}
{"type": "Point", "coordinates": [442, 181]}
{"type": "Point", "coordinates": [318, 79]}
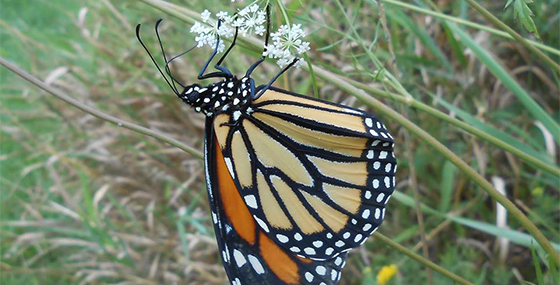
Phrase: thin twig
{"type": "Point", "coordinates": [119, 122]}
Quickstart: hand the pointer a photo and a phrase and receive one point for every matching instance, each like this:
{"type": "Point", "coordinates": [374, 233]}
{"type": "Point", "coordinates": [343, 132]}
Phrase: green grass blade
{"type": "Point", "coordinates": [509, 82]}
{"type": "Point", "coordinates": [512, 235]}
{"type": "Point", "coordinates": [446, 185]}
{"type": "Point", "coordinates": [490, 130]}
{"type": "Point", "coordinates": [401, 18]}
{"type": "Point", "coordinates": [537, 264]}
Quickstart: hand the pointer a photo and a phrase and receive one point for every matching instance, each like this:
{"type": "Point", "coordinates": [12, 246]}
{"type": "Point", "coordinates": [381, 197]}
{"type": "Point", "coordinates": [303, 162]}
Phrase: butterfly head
{"type": "Point", "coordinates": [228, 95]}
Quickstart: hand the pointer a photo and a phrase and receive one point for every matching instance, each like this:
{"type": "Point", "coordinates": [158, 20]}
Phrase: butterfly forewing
{"type": "Point", "coordinates": [248, 254]}
{"type": "Point", "coordinates": [315, 176]}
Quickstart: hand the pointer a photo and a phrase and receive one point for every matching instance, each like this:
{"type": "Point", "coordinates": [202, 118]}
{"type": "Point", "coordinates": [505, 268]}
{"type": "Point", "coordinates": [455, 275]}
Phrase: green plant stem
{"type": "Point", "coordinates": [343, 84]}
{"type": "Point", "coordinates": [469, 24]}
{"type": "Point", "coordinates": [421, 259]}
{"type": "Point", "coordinates": [492, 19]}
{"type": "Point", "coordinates": [121, 123]}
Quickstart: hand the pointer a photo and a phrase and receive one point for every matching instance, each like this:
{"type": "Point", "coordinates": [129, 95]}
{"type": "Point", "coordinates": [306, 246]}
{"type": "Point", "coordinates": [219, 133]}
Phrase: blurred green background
{"type": "Point", "coordinates": [84, 201]}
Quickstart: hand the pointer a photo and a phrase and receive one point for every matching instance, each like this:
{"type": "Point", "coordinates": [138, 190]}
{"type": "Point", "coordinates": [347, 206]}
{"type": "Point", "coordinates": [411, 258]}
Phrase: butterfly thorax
{"type": "Point", "coordinates": [229, 95]}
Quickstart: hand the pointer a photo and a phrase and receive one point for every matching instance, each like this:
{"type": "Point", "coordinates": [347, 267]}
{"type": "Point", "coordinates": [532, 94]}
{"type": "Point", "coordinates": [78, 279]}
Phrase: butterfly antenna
{"type": "Point", "coordinates": [167, 69]}
{"type": "Point", "coordinates": [177, 56]}
{"type": "Point", "coordinates": [154, 61]}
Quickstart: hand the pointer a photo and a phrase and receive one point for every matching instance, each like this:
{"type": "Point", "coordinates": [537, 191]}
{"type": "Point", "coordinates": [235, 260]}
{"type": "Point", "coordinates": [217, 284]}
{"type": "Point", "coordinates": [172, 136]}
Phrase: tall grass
{"type": "Point", "coordinates": [85, 200]}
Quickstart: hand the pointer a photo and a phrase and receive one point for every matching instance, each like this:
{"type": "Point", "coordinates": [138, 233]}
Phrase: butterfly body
{"type": "Point", "coordinates": [229, 95]}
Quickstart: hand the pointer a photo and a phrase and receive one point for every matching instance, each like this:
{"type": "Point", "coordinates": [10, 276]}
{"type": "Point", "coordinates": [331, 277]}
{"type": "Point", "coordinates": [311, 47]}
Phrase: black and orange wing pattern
{"type": "Point", "coordinates": [295, 183]}
{"type": "Point", "coordinates": [248, 254]}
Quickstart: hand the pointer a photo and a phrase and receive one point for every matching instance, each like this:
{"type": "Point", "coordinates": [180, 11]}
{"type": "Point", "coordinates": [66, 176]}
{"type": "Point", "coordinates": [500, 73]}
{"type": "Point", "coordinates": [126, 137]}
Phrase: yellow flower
{"type": "Point", "coordinates": [386, 273]}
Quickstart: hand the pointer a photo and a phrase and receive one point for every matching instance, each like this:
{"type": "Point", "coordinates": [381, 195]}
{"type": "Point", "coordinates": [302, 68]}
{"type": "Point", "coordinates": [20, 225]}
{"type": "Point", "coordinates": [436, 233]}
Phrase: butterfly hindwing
{"type": "Point", "coordinates": [248, 254]}
{"type": "Point", "coordinates": [315, 176]}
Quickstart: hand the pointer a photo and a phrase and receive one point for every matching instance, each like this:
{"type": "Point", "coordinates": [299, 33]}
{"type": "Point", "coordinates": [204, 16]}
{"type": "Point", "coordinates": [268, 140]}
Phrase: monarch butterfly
{"type": "Point", "coordinates": [293, 182]}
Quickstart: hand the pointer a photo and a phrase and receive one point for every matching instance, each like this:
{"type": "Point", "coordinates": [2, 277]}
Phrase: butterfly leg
{"type": "Point", "coordinates": [219, 64]}
{"type": "Point", "coordinates": [261, 89]}
{"type": "Point", "coordinates": [258, 62]}
{"type": "Point", "coordinates": [201, 74]}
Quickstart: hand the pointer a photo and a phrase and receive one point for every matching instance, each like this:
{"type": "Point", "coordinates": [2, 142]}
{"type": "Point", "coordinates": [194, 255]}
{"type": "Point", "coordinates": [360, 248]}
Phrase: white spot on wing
{"type": "Point", "coordinates": [236, 115]}
{"type": "Point", "coordinates": [229, 166]}
{"type": "Point", "coordinates": [338, 261]}
{"type": "Point", "coordinates": [251, 201]}
{"type": "Point", "coordinates": [333, 275]}
{"type": "Point", "coordinates": [375, 183]}
{"type": "Point", "coordinates": [358, 238]}
{"type": "Point", "coordinates": [365, 214]}
{"type": "Point", "coordinates": [309, 251]}
{"type": "Point", "coordinates": [380, 197]}
{"type": "Point", "coordinates": [388, 167]}
{"type": "Point", "coordinates": [282, 238]}
{"type": "Point", "coordinates": [239, 258]}
{"type": "Point", "coordinates": [308, 276]}
{"type": "Point", "coordinates": [383, 155]}
{"type": "Point", "coordinates": [262, 224]}
{"type": "Point", "coordinates": [257, 266]}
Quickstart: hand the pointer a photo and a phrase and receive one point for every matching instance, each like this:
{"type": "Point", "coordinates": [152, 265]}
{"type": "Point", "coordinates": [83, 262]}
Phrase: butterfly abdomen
{"type": "Point", "coordinates": [229, 95]}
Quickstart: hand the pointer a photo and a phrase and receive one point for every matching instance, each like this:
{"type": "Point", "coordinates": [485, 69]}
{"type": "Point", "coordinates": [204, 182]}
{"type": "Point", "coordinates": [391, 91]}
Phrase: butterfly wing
{"type": "Point", "coordinates": [315, 176]}
{"type": "Point", "coordinates": [248, 254]}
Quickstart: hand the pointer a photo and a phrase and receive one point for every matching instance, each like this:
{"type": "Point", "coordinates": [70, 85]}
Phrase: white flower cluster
{"type": "Point", "coordinates": [251, 19]}
{"type": "Point", "coordinates": [287, 42]}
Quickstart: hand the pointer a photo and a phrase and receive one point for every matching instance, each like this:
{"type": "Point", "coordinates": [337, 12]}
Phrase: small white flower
{"type": "Point", "coordinates": [225, 17]}
{"type": "Point", "coordinates": [260, 30]}
{"type": "Point", "coordinates": [206, 35]}
{"type": "Point", "coordinates": [287, 44]}
{"type": "Point", "coordinates": [205, 16]}
{"type": "Point", "coordinates": [250, 19]}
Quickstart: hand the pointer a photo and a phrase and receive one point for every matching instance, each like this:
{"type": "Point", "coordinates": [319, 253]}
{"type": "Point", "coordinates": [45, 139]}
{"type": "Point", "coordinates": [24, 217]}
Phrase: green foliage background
{"type": "Point", "coordinates": [84, 201]}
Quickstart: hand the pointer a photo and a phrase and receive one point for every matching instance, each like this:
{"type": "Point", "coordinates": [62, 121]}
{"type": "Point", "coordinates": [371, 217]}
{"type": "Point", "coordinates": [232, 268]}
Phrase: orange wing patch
{"type": "Point", "coordinates": [234, 207]}
{"type": "Point", "coordinates": [278, 261]}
